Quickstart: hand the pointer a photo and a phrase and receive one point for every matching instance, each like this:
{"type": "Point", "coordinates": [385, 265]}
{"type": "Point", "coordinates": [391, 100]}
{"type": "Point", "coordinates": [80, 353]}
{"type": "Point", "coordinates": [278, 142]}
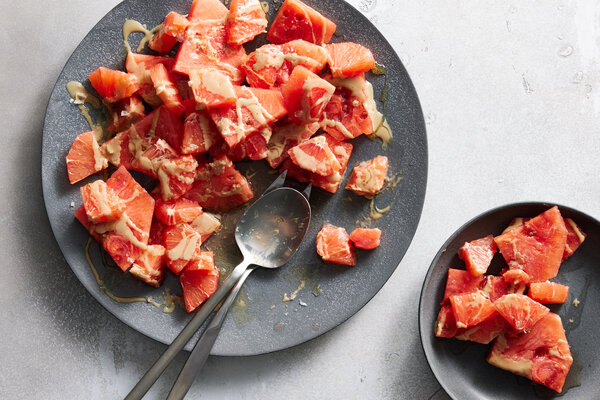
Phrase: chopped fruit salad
{"type": "Point", "coordinates": [185, 113]}
{"type": "Point", "coordinates": [528, 339]}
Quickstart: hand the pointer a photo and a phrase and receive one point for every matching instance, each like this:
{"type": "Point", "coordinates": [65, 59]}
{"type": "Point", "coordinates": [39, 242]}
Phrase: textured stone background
{"type": "Point", "coordinates": [511, 96]}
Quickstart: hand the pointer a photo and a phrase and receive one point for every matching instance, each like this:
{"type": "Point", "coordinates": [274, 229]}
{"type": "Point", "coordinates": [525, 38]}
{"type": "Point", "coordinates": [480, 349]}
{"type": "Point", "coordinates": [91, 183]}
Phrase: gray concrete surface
{"type": "Point", "coordinates": [511, 96]}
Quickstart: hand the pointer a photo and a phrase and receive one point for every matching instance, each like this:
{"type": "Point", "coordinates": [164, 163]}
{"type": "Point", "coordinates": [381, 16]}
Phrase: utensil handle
{"type": "Point", "coordinates": [140, 389]}
{"type": "Point", "coordinates": [201, 350]}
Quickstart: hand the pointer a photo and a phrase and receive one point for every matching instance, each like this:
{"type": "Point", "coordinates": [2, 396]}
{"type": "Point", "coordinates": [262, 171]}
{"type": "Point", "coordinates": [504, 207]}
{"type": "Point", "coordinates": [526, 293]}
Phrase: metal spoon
{"type": "Point", "coordinates": [268, 234]}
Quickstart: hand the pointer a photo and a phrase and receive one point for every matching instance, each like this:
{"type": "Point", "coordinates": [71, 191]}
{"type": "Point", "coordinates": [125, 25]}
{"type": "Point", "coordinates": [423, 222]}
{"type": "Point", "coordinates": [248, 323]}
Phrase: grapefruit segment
{"type": "Point", "coordinates": [125, 112]}
{"type": "Point", "coordinates": [520, 311]}
{"type": "Point", "coordinates": [314, 155]}
{"type": "Point", "coordinates": [460, 282]}
{"type": "Point", "coordinates": [351, 111]}
{"type": "Point", "coordinates": [101, 203]}
{"type": "Point", "coordinates": [517, 280]}
{"type": "Point", "coordinates": [211, 87]}
{"type": "Point", "coordinates": [334, 245]}
{"type": "Point", "coordinates": [246, 20]}
{"type": "Point", "coordinates": [181, 243]}
{"type": "Point", "coordinates": [166, 88]}
{"type": "Point", "coordinates": [202, 260]}
{"type": "Point", "coordinates": [84, 157]}
{"type": "Point", "coordinates": [306, 95]}
{"type": "Point", "coordinates": [471, 309]}
{"type": "Point", "coordinates": [150, 266]}
{"type": "Point", "coordinates": [284, 137]}
{"type": "Point", "coordinates": [548, 292]}
{"type": "Point", "coordinates": [198, 285]}
{"type": "Point", "coordinates": [575, 237]}
{"type": "Point", "coordinates": [368, 177]}
{"type": "Point", "coordinates": [367, 239]}
{"type": "Point", "coordinates": [205, 46]}
{"type": "Point", "coordinates": [253, 110]}
{"type": "Point", "coordinates": [537, 246]}
{"type": "Point", "coordinates": [140, 65]}
{"type": "Point", "coordinates": [219, 186]}
{"type": "Point", "coordinates": [541, 355]}
{"type": "Point", "coordinates": [483, 332]}
{"type": "Point", "coordinates": [176, 176]}
{"type": "Point", "coordinates": [174, 212]}
{"type": "Point", "coordinates": [207, 10]}
{"type": "Point", "coordinates": [330, 183]}
{"type": "Point", "coordinates": [199, 134]}
{"type": "Point", "coordinates": [478, 254]}
{"type": "Point", "coordinates": [205, 224]}
{"type": "Point", "coordinates": [445, 325]}
{"type": "Point", "coordinates": [494, 287]}
{"type": "Point", "coordinates": [113, 85]}
{"type": "Point", "coordinates": [170, 32]}
{"type": "Point", "coordinates": [349, 59]}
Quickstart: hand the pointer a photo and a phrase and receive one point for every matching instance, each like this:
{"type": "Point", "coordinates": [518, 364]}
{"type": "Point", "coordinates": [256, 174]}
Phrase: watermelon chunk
{"type": "Point", "coordinates": [296, 20]}
{"type": "Point", "coordinates": [246, 20]}
{"type": "Point", "coordinates": [537, 246]}
{"type": "Point", "coordinates": [541, 355]}
{"type": "Point", "coordinates": [460, 282]}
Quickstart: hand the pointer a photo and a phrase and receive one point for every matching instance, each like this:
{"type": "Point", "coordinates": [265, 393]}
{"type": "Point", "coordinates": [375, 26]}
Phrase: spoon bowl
{"type": "Point", "coordinates": [271, 230]}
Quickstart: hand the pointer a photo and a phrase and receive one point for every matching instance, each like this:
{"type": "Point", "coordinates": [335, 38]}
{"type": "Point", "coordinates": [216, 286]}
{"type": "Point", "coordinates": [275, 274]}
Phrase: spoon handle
{"type": "Point", "coordinates": [140, 389]}
{"type": "Point", "coordinates": [201, 350]}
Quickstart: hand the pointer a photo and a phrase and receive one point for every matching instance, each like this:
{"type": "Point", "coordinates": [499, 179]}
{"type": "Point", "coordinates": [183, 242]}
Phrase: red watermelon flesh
{"type": "Point", "coordinates": [537, 246]}
{"type": "Point", "coordinates": [483, 332]}
{"type": "Point", "coordinates": [461, 282]}
{"type": "Point", "coordinates": [541, 355]}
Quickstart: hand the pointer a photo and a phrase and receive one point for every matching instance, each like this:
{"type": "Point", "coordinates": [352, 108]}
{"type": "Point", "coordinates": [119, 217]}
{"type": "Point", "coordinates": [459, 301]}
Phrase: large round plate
{"type": "Point", "coordinates": [460, 367]}
{"type": "Point", "coordinates": [264, 323]}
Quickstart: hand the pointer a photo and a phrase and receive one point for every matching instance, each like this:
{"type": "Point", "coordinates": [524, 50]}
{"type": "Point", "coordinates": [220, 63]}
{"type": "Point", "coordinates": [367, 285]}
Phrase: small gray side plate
{"type": "Point", "coordinates": [461, 368]}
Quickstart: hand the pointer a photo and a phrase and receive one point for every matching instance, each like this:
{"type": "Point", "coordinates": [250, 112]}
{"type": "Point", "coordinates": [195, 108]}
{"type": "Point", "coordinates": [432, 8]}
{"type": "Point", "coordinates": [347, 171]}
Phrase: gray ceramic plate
{"type": "Point", "coordinates": [264, 323]}
{"type": "Point", "coordinates": [460, 367]}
